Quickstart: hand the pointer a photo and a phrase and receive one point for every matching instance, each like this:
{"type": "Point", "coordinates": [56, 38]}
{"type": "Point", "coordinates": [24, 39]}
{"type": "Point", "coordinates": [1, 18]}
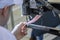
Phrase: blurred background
{"type": "Point", "coordinates": [16, 17]}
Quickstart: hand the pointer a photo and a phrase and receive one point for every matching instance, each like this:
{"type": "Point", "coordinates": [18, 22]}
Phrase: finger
{"type": "Point", "coordinates": [23, 28]}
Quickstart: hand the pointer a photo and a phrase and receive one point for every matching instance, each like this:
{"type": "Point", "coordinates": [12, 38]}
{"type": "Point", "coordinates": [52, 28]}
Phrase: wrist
{"type": "Point", "coordinates": [18, 37]}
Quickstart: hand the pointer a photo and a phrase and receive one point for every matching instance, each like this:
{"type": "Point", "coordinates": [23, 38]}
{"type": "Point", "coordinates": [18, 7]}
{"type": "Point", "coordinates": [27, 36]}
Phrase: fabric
{"type": "Point", "coordinates": [48, 19]}
{"type": "Point", "coordinates": [18, 2]}
{"type": "Point", "coordinates": [36, 37]}
{"type": "Point", "coordinates": [4, 3]}
{"type": "Point", "coordinates": [33, 4]}
{"type": "Point", "coordinates": [5, 34]}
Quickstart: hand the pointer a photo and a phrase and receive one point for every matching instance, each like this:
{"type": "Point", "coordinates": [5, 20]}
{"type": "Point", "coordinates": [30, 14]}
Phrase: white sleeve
{"type": "Point", "coordinates": [6, 35]}
{"type": "Point", "coordinates": [18, 2]}
{"type": "Point", "coordinates": [4, 3]}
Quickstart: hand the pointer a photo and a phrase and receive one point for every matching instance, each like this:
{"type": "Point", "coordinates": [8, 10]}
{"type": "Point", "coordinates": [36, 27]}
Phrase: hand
{"type": "Point", "coordinates": [20, 30]}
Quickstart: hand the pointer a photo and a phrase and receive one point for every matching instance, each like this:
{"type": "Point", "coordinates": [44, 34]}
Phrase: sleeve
{"type": "Point", "coordinates": [6, 35]}
{"type": "Point", "coordinates": [4, 3]}
{"type": "Point", "coordinates": [18, 2]}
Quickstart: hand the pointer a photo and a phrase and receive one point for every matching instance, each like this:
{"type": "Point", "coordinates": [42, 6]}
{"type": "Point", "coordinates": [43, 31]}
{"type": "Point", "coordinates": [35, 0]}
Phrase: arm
{"type": "Point", "coordinates": [34, 19]}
